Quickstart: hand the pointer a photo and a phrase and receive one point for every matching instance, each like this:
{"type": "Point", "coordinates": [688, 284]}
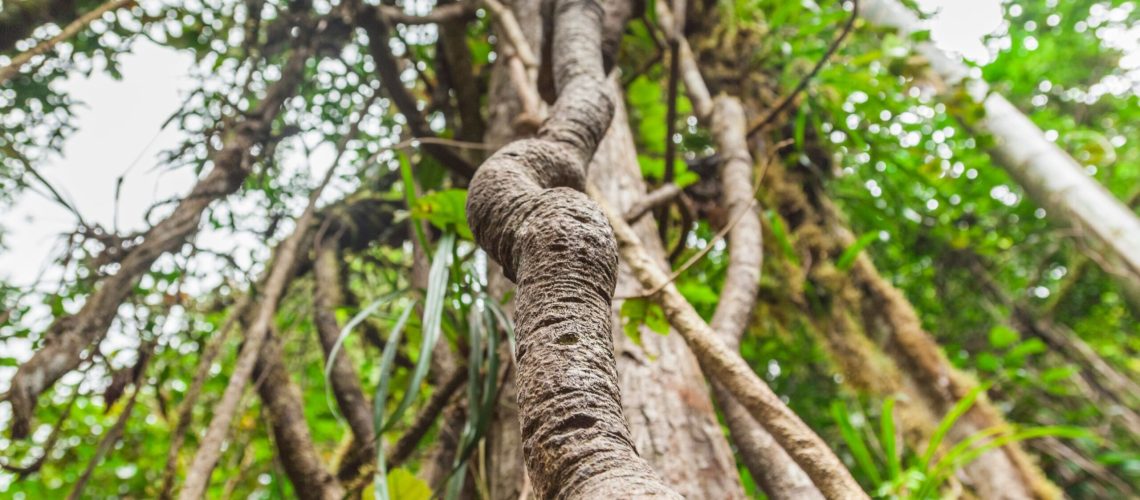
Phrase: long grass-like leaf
{"type": "Point", "coordinates": [368, 310]}
{"type": "Point", "coordinates": [960, 408]}
{"type": "Point", "coordinates": [410, 197]}
{"type": "Point", "coordinates": [433, 316]}
{"type": "Point", "coordinates": [502, 320]}
{"type": "Point", "coordinates": [387, 367]}
{"type": "Point", "coordinates": [848, 257]}
{"type": "Point", "coordinates": [855, 442]}
{"type": "Point", "coordinates": [946, 467]}
{"type": "Point", "coordinates": [887, 439]}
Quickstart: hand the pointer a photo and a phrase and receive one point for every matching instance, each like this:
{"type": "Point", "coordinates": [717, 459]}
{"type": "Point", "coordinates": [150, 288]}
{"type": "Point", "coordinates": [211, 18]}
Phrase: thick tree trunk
{"type": "Point", "coordinates": [527, 211]}
{"type": "Point", "coordinates": [671, 417]}
{"type": "Point", "coordinates": [1051, 177]}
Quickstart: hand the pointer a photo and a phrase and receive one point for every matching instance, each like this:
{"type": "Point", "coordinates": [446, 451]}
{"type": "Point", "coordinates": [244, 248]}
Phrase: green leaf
{"type": "Point", "coordinates": [1002, 336]}
{"type": "Point", "coordinates": [1054, 375]}
{"type": "Point", "coordinates": [847, 259]}
{"type": "Point", "coordinates": [640, 311]}
{"type": "Point", "coordinates": [446, 210]}
{"type": "Point", "coordinates": [433, 317]}
{"type": "Point", "coordinates": [387, 367]}
{"type": "Point", "coordinates": [403, 485]}
{"type": "Point", "coordinates": [887, 439]}
{"type": "Point", "coordinates": [855, 442]}
{"type": "Point", "coordinates": [368, 310]}
{"type": "Point", "coordinates": [960, 408]}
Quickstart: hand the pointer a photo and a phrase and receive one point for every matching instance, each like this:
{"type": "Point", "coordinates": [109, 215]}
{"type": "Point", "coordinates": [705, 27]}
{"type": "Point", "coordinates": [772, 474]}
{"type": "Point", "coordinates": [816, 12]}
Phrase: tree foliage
{"type": "Point", "coordinates": [1014, 298]}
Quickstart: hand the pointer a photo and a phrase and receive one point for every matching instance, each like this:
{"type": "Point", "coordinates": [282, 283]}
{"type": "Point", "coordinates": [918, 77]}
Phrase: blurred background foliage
{"type": "Point", "coordinates": [938, 212]}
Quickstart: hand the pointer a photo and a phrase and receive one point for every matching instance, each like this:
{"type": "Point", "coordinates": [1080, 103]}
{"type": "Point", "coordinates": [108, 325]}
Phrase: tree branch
{"type": "Point", "coordinates": [13, 68]}
{"type": "Point", "coordinates": [725, 366]}
{"type": "Point", "coordinates": [787, 100]}
{"type": "Point", "coordinates": [69, 335]}
{"type": "Point", "coordinates": [279, 276]}
{"type": "Point", "coordinates": [388, 70]}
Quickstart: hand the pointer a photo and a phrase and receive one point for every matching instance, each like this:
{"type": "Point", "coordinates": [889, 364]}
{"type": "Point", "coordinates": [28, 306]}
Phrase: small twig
{"type": "Point", "coordinates": [688, 216]}
{"type": "Point", "coordinates": [803, 83]}
{"type": "Point", "coordinates": [116, 432]}
{"type": "Point", "coordinates": [415, 141]}
{"type": "Point", "coordinates": [719, 235]}
{"type": "Point", "coordinates": [660, 196]}
{"type": "Point", "coordinates": [27, 164]}
{"type": "Point", "coordinates": [439, 14]}
{"type": "Point", "coordinates": [27, 470]}
{"type": "Point", "coordinates": [13, 68]}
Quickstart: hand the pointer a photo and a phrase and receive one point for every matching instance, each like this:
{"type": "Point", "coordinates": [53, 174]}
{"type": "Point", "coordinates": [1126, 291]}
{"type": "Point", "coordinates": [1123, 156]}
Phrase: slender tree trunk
{"type": "Point", "coordinates": [1048, 174]}
{"type": "Point", "coordinates": [770, 465]}
{"type": "Point", "coordinates": [671, 417]}
{"type": "Point", "coordinates": [282, 401]}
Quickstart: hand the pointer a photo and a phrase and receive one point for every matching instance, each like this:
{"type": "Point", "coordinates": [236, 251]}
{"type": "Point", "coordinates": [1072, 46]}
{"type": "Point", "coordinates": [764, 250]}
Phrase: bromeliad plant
{"type": "Point", "coordinates": [455, 303]}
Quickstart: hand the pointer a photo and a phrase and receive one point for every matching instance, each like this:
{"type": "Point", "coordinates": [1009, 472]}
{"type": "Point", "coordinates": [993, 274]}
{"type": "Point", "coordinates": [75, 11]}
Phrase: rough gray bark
{"type": "Point", "coordinates": [671, 416]}
{"type": "Point", "coordinates": [69, 336]}
{"type": "Point", "coordinates": [527, 211]}
{"type": "Point", "coordinates": [1047, 173]}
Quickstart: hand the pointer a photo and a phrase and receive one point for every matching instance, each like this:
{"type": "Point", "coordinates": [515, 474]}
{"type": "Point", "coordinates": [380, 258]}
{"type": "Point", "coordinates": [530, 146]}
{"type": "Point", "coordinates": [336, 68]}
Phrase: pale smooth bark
{"type": "Point", "coordinates": [1051, 177]}
{"type": "Point", "coordinates": [671, 416]}
{"type": "Point", "coordinates": [725, 366]}
{"type": "Point", "coordinates": [771, 466]}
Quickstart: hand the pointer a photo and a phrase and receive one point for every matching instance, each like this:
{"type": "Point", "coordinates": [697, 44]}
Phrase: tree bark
{"type": "Point", "coordinates": [770, 465]}
{"type": "Point", "coordinates": [671, 415]}
{"type": "Point", "coordinates": [725, 366]}
{"type": "Point", "coordinates": [1051, 177]}
{"type": "Point", "coordinates": [345, 382]}
{"type": "Point", "coordinates": [527, 211]}
{"type": "Point", "coordinates": [282, 402]}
